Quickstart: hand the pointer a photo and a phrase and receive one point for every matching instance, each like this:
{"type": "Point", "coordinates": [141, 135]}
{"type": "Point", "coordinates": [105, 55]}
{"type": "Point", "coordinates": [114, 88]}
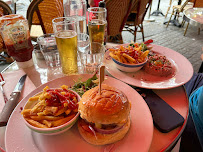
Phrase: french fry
{"type": "Point", "coordinates": [123, 60]}
{"type": "Point", "coordinates": [140, 60]}
{"type": "Point", "coordinates": [51, 109]}
{"type": "Point", "coordinates": [145, 54]}
{"type": "Point", "coordinates": [35, 98]}
{"type": "Point", "coordinates": [59, 112]}
{"type": "Point", "coordinates": [113, 56]}
{"type": "Point", "coordinates": [130, 59]}
{"type": "Point", "coordinates": [68, 111]}
{"type": "Point", "coordinates": [26, 112]}
{"type": "Point", "coordinates": [50, 113]}
{"type": "Point", "coordinates": [50, 118]}
{"type": "Point", "coordinates": [35, 123]}
{"type": "Point", "coordinates": [118, 57]}
{"type": "Point", "coordinates": [47, 123]}
{"type": "Point", "coordinates": [62, 121]}
{"type": "Point", "coordinates": [35, 108]}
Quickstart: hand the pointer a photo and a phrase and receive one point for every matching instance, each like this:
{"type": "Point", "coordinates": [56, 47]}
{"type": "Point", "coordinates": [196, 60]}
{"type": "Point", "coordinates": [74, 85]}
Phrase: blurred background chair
{"type": "Point", "coordinates": [4, 10]}
{"type": "Point", "coordinates": [177, 9]}
{"type": "Point", "coordinates": [198, 3]}
{"type": "Point", "coordinates": [136, 17]}
{"type": "Point", "coordinates": [117, 13]}
{"type": "Point", "coordinates": [40, 14]}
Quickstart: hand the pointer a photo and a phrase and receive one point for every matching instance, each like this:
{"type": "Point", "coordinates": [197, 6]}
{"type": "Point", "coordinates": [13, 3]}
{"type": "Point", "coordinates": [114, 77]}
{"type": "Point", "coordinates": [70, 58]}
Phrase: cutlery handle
{"type": "Point", "coordinates": [8, 108]}
{"type": "Point", "coordinates": [4, 95]}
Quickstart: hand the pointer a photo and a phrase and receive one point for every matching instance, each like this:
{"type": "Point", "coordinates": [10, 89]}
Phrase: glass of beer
{"type": "Point", "coordinates": [66, 40]}
{"type": "Point", "coordinates": [97, 24]}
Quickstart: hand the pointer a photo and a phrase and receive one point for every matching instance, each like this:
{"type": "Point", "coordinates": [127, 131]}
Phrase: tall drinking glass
{"type": "Point", "coordinates": [97, 24]}
{"type": "Point", "coordinates": [77, 9]}
{"type": "Point", "coordinates": [66, 40]}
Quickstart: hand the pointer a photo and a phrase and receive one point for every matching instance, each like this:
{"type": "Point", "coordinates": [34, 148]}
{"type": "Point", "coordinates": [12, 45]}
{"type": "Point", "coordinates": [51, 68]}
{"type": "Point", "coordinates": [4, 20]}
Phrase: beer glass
{"type": "Point", "coordinates": [66, 40]}
{"type": "Point", "coordinates": [97, 24]}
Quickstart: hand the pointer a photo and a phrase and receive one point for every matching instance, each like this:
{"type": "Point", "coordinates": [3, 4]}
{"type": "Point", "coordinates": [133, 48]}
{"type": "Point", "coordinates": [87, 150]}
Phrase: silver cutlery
{"type": "Point", "coordinates": [12, 102]}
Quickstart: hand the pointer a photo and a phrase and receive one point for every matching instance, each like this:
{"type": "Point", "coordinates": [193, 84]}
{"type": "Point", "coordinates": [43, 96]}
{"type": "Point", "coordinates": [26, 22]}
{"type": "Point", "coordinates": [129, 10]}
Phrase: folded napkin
{"type": "Point", "coordinates": [11, 79]}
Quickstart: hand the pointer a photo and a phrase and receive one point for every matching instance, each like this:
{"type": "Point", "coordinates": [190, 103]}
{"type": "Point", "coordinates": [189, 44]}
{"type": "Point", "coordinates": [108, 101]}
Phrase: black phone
{"type": "Point", "coordinates": [164, 116]}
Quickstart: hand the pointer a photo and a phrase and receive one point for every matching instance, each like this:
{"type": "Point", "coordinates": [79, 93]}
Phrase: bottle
{"type": "Point", "coordinates": [103, 5]}
{"type": "Point", "coordinates": [16, 36]}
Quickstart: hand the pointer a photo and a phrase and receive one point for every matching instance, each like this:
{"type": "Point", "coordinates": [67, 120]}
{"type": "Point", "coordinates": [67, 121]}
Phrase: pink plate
{"type": "Point", "coordinates": [20, 138]}
{"type": "Point", "coordinates": [183, 71]}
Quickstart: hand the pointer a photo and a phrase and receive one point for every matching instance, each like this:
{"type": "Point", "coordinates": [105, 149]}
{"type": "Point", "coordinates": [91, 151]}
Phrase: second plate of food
{"type": "Point", "coordinates": [182, 71]}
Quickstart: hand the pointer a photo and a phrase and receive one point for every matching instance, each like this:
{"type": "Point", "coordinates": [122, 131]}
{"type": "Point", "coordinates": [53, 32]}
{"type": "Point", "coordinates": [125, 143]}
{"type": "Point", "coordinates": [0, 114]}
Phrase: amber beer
{"type": "Point", "coordinates": [67, 47]}
{"type": "Point", "coordinates": [97, 30]}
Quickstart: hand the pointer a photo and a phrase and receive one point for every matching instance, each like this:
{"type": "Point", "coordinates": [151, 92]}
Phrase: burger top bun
{"type": "Point", "coordinates": [112, 106]}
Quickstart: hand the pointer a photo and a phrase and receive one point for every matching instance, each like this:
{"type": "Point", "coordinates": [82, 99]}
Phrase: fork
{"type": "Point", "coordinates": [2, 82]}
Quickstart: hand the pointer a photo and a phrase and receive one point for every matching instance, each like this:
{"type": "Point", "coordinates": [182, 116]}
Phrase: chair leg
{"type": "Point", "coordinates": [142, 30]}
{"type": "Point", "coordinates": [186, 28]}
{"type": "Point", "coordinates": [183, 23]}
{"type": "Point", "coordinates": [170, 18]}
{"type": "Point", "coordinates": [135, 32]}
{"type": "Point", "coordinates": [177, 15]}
{"type": "Point", "coordinates": [168, 8]}
{"type": "Point", "coordinates": [199, 31]}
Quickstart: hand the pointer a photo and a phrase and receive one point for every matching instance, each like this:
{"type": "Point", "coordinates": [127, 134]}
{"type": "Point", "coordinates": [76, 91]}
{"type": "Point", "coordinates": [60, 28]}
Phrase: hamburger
{"type": "Point", "coordinates": [105, 117]}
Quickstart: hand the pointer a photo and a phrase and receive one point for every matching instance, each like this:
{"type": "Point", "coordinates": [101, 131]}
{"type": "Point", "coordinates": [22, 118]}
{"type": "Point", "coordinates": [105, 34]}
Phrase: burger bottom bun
{"type": "Point", "coordinates": [103, 139]}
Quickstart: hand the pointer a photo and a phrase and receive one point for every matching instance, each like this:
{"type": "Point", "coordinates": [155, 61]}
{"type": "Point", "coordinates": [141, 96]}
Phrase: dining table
{"type": "Point", "coordinates": [39, 75]}
{"type": "Point", "coordinates": [193, 16]}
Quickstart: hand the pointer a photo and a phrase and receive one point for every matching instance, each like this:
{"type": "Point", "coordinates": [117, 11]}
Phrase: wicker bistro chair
{"type": "Point", "coordinates": [4, 10]}
{"type": "Point", "coordinates": [142, 7]}
{"type": "Point", "coordinates": [177, 9]}
{"type": "Point", "coordinates": [117, 12]}
{"type": "Point", "coordinates": [40, 14]}
{"type": "Point", "coordinates": [198, 3]}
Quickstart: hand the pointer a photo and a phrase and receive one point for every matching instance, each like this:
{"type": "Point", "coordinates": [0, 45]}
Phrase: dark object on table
{"type": "Point", "coordinates": [102, 4]}
{"type": "Point", "coordinates": [164, 116]}
{"type": "Point", "coordinates": [157, 12]}
{"type": "Point", "coordinates": [189, 139]}
{"type": "Point", "coordinates": [201, 68]}
{"type": "Point", "coordinates": [136, 17]}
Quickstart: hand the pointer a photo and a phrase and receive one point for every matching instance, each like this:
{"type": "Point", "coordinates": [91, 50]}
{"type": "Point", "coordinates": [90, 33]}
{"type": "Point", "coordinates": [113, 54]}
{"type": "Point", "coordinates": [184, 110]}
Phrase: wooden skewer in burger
{"type": "Point", "coordinates": [105, 115]}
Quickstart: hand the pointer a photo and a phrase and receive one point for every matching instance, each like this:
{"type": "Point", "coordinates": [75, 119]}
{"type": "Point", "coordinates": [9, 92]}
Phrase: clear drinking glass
{"type": "Point", "coordinates": [47, 43]}
{"type": "Point", "coordinates": [83, 42]}
{"type": "Point", "coordinates": [92, 58]}
{"type": "Point", "coordinates": [66, 40]}
{"type": "Point", "coordinates": [77, 9]}
{"type": "Point", "coordinates": [97, 24]}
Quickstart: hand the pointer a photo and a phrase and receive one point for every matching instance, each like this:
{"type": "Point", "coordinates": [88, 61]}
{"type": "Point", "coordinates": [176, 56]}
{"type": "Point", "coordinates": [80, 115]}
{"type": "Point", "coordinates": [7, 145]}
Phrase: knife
{"type": "Point", "coordinates": [12, 102]}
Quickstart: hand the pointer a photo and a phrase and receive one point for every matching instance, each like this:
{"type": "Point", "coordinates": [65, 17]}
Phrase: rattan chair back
{"type": "Point", "coordinates": [4, 10]}
{"type": "Point", "coordinates": [140, 7]}
{"type": "Point", "coordinates": [41, 12]}
{"type": "Point", "coordinates": [117, 12]}
{"type": "Point", "coordinates": [198, 3]}
{"type": "Point", "coordinates": [143, 6]}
